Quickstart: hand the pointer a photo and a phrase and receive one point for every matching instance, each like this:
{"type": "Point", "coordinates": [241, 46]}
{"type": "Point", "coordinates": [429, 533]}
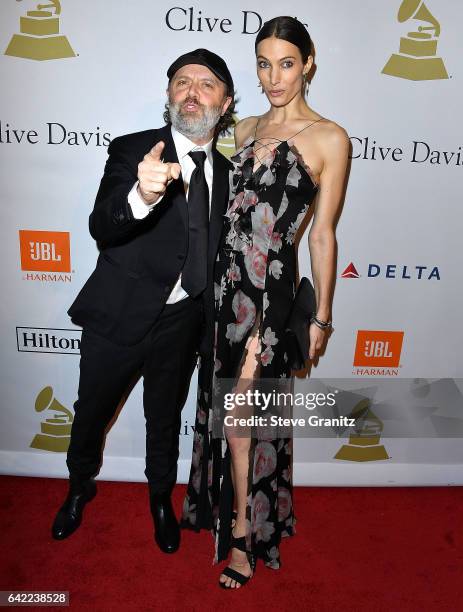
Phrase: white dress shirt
{"type": "Point", "coordinates": [140, 210]}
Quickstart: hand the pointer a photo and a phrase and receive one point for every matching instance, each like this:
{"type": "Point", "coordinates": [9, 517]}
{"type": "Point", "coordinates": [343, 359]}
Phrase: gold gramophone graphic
{"type": "Point", "coordinates": [364, 445]}
{"type": "Point", "coordinates": [40, 38]}
{"type": "Point", "coordinates": [55, 432]}
{"type": "Point", "coordinates": [417, 59]}
{"type": "Point", "coordinates": [226, 144]}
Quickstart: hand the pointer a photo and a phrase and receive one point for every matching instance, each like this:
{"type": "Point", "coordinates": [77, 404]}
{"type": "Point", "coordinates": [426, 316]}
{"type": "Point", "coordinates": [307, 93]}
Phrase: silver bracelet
{"type": "Point", "coordinates": [321, 324]}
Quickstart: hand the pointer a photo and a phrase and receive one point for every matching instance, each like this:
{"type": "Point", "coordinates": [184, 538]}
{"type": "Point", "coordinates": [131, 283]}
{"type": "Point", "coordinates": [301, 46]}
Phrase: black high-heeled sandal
{"type": "Point", "coordinates": [241, 579]}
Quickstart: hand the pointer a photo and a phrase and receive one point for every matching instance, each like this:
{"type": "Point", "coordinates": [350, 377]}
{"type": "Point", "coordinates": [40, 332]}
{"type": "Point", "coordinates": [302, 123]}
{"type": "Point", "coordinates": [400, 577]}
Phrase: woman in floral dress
{"type": "Point", "coordinates": [288, 161]}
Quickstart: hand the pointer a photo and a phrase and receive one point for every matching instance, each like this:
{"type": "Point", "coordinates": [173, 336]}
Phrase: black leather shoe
{"type": "Point", "coordinates": [166, 528]}
{"type": "Point", "coordinates": [69, 515]}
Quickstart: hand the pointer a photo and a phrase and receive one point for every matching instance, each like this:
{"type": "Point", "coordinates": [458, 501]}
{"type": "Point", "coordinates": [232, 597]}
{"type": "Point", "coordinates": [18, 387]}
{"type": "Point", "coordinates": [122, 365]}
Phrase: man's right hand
{"type": "Point", "coordinates": [154, 175]}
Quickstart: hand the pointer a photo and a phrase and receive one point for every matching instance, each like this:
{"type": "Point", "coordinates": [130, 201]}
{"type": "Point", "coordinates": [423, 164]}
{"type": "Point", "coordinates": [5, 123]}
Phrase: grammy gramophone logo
{"type": "Point", "coordinates": [39, 37]}
{"type": "Point", "coordinates": [55, 431]}
{"type": "Point", "coordinates": [417, 58]}
{"type": "Point", "coordinates": [365, 443]}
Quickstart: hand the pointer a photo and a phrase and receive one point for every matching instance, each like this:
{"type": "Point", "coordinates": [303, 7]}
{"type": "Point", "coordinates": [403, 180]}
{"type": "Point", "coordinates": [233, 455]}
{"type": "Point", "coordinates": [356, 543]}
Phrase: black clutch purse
{"type": "Point", "coordinates": [297, 327]}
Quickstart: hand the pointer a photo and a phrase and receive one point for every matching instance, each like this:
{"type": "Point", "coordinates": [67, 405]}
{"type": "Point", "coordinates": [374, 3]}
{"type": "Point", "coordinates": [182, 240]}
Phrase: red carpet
{"type": "Point", "coordinates": [358, 549]}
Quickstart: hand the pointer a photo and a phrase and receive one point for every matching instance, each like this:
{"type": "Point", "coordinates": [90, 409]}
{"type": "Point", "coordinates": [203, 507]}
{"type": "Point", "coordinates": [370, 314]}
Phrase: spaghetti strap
{"type": "Point", "coordinates": [304, 128]}
{"type": "Point", "coordinates": [278, 139]}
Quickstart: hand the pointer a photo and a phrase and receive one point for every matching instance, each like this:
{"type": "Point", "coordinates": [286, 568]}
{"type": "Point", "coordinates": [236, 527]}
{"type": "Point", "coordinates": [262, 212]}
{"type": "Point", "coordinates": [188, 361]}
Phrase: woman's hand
{"type": "Point", "coordinates": [317, 339]}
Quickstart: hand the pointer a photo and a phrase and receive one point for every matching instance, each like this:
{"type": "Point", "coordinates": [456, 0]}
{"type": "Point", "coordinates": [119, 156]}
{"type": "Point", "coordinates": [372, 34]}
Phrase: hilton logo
{"type": "Point", "coordinates": [44, 340]}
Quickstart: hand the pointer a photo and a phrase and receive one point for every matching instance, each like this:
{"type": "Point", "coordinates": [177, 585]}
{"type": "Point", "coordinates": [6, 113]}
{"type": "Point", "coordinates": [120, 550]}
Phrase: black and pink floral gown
{"type": "Point", "coordinates": [255, 280]}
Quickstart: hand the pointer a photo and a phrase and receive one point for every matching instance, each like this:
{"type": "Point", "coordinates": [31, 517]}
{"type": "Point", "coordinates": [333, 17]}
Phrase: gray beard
{"type": "Point", "coordinates": [194, 127]}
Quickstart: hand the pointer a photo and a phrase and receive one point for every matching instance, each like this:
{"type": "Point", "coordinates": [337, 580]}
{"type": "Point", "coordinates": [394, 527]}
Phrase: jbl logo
{"type": "Point", "coordinates": [45, 251]}
{"type": "Point", "coordinates": [378, 348]}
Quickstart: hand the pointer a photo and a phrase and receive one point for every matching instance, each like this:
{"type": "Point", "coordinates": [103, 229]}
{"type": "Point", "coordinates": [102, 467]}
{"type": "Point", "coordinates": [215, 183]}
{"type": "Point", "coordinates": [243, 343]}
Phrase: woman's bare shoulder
{"type": "Point", "coordinates": [331, 133]}
{"type": "Point", "coordinates": [244, 129]}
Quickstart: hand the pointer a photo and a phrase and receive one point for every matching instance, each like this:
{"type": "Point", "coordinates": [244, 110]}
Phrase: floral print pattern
{"type": "Point", "coordinates": [255, 278]}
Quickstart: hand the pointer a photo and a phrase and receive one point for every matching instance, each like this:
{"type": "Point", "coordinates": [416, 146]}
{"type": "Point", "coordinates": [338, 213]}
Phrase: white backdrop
{"type": "Point", "coordinates": [57, 117]}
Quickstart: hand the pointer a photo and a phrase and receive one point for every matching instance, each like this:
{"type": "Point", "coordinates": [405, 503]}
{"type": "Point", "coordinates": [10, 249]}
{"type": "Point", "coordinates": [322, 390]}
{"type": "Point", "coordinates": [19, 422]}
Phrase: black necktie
{"type": "Point", "coordinates": [194, 273]}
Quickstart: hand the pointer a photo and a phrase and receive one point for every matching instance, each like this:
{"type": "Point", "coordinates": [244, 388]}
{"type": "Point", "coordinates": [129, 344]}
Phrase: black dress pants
{"type": "Point", "coordinates": [166, 358]}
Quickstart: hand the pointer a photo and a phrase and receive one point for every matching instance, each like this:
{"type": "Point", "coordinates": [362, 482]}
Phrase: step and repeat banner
{"type": "Point", "coordinates": [75, 75]}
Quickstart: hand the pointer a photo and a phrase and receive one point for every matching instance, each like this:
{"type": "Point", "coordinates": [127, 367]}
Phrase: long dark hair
{"type": "Point", "coordinates": [289, 29]}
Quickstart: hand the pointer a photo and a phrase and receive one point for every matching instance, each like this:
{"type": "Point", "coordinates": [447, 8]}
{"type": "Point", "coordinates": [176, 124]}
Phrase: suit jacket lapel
{"type": "Point", "coordinates": [219, 199]}
{"type": "Point", "coordinates": [176, 189]}
{"type": "Point", "coordinates": [219, 202]}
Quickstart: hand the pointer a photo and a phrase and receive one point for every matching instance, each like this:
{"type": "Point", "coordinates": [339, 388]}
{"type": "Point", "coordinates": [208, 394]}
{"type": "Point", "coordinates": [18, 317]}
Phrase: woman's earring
{"type": "Point", "coordinates": [305, 83]}
{"type": "Point", "coordinates": [259, 84]}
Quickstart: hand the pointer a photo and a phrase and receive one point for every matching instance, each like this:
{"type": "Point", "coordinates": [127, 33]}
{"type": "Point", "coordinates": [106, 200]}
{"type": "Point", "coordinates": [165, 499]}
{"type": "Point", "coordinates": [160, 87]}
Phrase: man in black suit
{"type": "Point", "coordinates": [148, 305]}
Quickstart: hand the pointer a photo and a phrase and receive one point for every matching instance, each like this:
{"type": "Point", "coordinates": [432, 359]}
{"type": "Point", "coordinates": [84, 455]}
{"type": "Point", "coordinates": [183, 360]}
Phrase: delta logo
{"type": "Point", "coordinates": [45, 256]}
{"type": "Point", "coordinates": [377, 353]}
{"type": "Point", "coordinates": [350, 272]}
{"type": "Point", "coordinates": [397, 271]}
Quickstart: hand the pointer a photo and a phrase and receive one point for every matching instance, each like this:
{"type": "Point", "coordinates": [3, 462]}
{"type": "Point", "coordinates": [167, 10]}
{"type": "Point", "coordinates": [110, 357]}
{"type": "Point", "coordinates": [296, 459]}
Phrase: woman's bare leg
{"type": "Point", "coordinates": [239, 449]}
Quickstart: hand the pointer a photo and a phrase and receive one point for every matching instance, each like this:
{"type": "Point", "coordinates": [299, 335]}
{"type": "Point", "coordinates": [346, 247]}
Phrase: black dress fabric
{"type": "Point", "coordinates": [271, 190]}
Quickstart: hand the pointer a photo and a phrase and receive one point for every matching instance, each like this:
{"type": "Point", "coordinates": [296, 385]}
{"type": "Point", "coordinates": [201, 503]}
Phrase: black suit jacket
{"type": "Point", "coordinates": [141, 259]}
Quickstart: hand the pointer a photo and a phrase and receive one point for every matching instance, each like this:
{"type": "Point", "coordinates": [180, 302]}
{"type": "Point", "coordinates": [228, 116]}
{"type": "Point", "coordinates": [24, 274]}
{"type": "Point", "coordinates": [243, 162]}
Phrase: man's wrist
{"type": "Point", "coordinates": [140, 208]}
{"type": "Point", "coordinates": [144, 200]}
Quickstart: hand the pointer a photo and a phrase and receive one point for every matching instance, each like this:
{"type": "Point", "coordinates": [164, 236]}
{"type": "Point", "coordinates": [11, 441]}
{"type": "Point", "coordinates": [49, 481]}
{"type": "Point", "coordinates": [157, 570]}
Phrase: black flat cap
{"type": "Point", "coordinates": [205, 58]}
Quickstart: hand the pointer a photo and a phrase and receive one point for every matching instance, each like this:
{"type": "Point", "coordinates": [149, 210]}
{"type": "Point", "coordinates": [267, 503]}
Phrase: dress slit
{"type": "Point", "coordinates": [254, 279]}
